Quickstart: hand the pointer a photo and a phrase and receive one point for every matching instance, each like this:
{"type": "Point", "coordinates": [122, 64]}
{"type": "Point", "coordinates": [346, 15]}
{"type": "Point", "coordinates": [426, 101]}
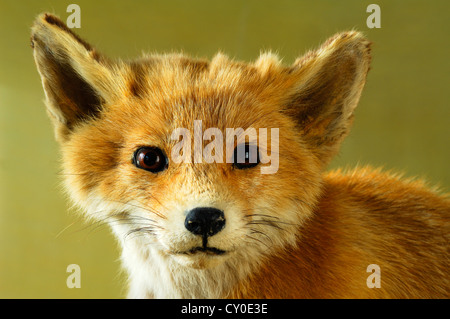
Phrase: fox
{"type": "Point", "coordinates": [222, 229]}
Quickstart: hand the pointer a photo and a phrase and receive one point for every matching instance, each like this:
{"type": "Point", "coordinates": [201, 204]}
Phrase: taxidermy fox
{"type": "Point", "coordinates": [199, 228]}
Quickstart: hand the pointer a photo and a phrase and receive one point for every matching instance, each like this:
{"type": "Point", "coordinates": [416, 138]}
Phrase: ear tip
{"type": "Point", "coordinates": [48, 18]}
{"type": "Point", "coordinates": [351, 42]}
{"type": "Point", "coordinates": [53, 19]}
{"type": "Point", "coordinates": [42, 22]}
{"type": "Point", "coordinates": [48, 27]}
{"type": "Point", "coordinates": [352, 37]}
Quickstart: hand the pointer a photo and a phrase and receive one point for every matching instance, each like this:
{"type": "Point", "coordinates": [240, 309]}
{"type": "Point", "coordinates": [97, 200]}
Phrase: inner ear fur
{"type": "Point", "coordinates": [328, 85]}
{"type": "Point", "coordinates": [77, 80]}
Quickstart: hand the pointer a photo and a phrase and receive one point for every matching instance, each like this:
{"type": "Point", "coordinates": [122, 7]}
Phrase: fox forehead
{"type": "Point", "coordinates": [181, 73]}
{"type": "Point", "coordinates": [171, 91]}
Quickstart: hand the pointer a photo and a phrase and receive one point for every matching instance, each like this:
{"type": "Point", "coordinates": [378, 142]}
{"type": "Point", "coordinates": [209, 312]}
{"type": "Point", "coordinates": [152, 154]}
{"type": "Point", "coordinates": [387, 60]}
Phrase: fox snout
{"type": "Point", "coordinates": [205, 222]}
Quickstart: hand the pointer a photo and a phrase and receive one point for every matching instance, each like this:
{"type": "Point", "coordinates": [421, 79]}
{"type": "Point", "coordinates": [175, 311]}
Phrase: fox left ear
{"type": "Point", "coordinates": [77, 80]}
{"type": "Point", "coordinates": [328, 84]}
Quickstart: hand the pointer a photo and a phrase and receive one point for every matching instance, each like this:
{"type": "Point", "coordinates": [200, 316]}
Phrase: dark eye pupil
{"type": "Point", "coordinates": [151, 159]}
{"type": "Point", "coordinates": [246, 156]}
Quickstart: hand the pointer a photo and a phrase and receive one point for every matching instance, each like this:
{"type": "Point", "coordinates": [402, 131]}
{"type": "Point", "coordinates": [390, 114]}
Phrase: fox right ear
{"type": "Point", "coordinates": [77, 81]}
{"type": "Point", "coordinates": [328, 84]}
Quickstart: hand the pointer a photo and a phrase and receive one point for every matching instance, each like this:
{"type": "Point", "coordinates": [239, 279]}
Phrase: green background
{"type": "Point", "coordinates": [402, 121]}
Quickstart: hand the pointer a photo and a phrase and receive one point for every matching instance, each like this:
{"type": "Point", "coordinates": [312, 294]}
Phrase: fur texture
{"type": "Point", "coordinates": [299, 233]}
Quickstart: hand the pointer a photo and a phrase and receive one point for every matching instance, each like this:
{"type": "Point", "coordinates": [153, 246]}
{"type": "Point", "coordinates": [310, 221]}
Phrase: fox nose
{"type": "Point", "coordinates": [205, 221]}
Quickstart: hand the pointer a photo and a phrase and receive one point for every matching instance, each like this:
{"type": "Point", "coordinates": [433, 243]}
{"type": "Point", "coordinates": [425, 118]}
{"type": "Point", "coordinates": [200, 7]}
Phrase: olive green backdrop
{"type": "Point", "coordinates": [402, 121]}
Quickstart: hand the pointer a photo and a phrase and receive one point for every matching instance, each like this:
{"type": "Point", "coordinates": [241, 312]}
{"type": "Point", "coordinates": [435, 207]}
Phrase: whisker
{"type": "Point", "coordinates": [260, 241]}
{"type": "Point", "coordinates": [82, 229]}
{"type": "Point", "coordinates": [254, 231]}
{"type": "Point", "coordinates": [252, 213]}
{"type": "Point", "coordinates": [120, 218]}
{"type": "Point", "coordinates": [64, 229]}
{"type": "Point", "coordinates": [266, 219]}
{"type": "Point", "coordinates": [140, 231]}
{"type": "Point", "coordinates": [150, 210]}
{"type": "Point", "coordinates": [266, 223]}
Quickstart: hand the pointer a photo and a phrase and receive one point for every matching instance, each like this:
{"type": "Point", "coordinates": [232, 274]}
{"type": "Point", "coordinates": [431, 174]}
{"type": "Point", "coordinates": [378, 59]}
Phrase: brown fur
{"type": "Point", "coordinates": [356, 225]}
{"type": "Point", "coordinates": [312, 234]}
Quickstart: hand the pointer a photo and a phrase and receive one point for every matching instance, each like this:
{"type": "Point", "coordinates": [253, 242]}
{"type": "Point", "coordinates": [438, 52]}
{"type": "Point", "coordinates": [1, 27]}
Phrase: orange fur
{"type": "Point", "coordinates": [298, 233]}
{"type": "Point", "coordinates": [364, 217]}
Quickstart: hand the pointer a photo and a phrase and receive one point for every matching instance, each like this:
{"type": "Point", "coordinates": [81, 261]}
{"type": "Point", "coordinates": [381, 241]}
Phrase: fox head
{"type": "Point", "coordinates": [115, 121]}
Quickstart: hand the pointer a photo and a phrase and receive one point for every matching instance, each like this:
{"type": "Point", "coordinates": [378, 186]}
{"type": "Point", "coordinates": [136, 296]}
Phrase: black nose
{"type": "Point", "coordinates": [205, 221]}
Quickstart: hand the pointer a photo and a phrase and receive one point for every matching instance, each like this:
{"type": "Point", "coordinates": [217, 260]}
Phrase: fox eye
{"type": "Point", "coordinates": [151, 159]}
{"type": "Point", "coordinates": [246, 156]}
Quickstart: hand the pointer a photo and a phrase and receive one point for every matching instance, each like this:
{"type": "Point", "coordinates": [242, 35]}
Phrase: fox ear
{"type": "Point", "coordinates": [328, 84]}
{"type": "Point", "coordinates": [77, 81]}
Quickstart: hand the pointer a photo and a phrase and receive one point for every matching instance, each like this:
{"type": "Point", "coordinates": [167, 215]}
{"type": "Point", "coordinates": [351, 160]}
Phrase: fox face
{"type": "Point", "coordinates": [117, 124]}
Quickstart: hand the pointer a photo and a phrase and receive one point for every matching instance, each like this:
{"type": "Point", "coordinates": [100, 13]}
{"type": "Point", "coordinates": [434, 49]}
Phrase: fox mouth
{"type": "Point", "coordinates": [206, 250]}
